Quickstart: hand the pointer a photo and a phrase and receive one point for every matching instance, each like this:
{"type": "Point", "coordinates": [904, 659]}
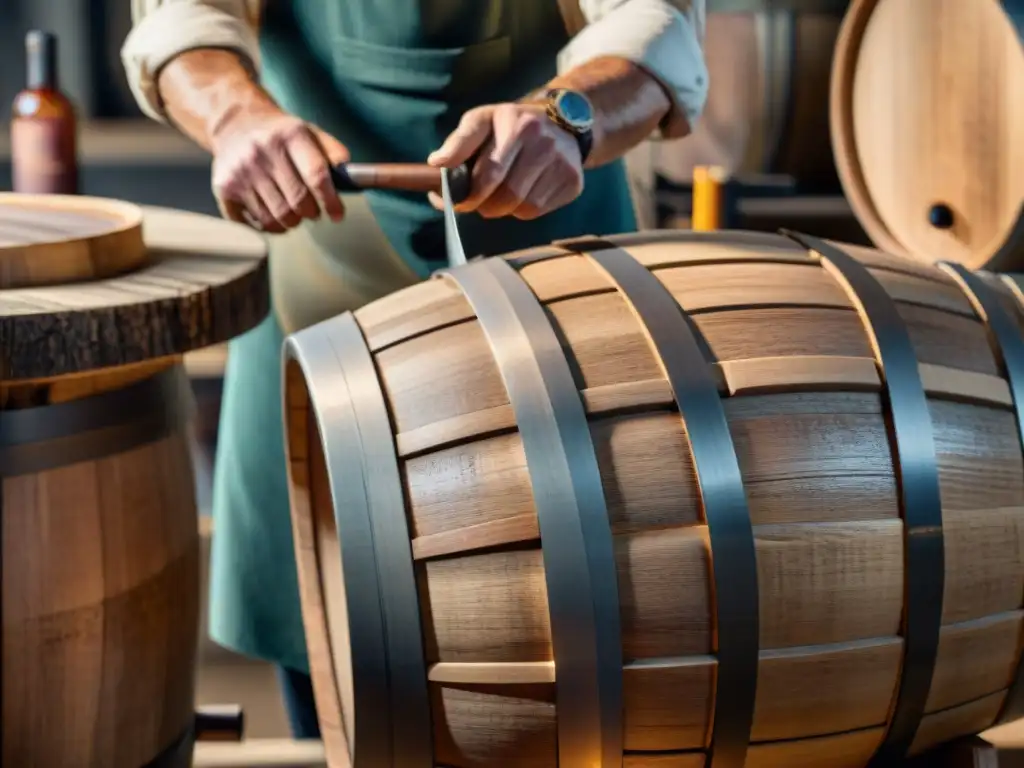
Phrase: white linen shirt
{"type": "Point", "coordinates": [662, 36]}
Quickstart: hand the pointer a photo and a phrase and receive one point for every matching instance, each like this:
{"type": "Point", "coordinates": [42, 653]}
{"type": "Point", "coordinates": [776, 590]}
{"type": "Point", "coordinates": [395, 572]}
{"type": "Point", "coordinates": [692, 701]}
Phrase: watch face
{"type": "Point", "coordinates": [575, 109]}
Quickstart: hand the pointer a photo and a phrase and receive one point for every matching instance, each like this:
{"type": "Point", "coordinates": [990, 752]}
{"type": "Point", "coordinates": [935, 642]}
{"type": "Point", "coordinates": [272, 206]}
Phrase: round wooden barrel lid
{"type": "Point", "coordinates": [927, 116]}
{"type": "Point", "coordinates": [201, 281]}
{"type": "Point", "coordinates": [54, 239]}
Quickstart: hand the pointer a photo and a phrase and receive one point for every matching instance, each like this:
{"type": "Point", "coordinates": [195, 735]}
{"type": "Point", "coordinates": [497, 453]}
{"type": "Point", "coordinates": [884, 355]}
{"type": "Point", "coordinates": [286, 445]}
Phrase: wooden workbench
{"type": "Point", "coordinates": [260, 753]}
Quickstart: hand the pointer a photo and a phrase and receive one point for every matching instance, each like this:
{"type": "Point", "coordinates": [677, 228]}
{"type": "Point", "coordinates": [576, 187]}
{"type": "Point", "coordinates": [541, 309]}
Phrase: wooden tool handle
{"type": "Point", "coordinates": [406, 177]}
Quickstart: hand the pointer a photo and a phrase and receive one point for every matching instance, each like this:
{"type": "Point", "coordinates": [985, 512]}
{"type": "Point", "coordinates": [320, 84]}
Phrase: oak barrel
{"type": "Point", "coordinates": [767, 107]}
{"type": "Point", "coordinates": [100, 535]}
{"type": "Point", "coordinates": [537, 468]}
{"type": "Point", "coordinates": [927, 120]}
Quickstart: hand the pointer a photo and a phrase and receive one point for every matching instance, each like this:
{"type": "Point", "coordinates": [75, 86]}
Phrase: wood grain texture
{"type": "Point", "coordinates": [204, 281]}
{"type": "Point", "coordinates": [802, 396]}
{"type": "Point", "coordinates": [54, 239]}
{"type": "Point", "coordinates": [100, 604]}
{"type": "Point", "coordinates": [768, 109]}
{"type": "Point", "coordinates": [926, 110]}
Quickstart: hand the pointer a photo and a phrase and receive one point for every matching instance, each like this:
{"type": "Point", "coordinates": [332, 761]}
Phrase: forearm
{"type": "Point", "coordinates": [642, 64]}
{"type": "Point", "coordinates": [163, 30]}
{"type": "Point", "coordinates": [629, 104]}
{"type": "Point", "coordinates": [202, 90]}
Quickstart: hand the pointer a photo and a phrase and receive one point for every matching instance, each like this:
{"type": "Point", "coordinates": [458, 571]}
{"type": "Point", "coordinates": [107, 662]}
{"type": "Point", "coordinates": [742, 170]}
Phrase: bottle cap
{"type": "Point", "coordinates": [41, 47]}
{"type": "Point", "coordinates": [38, 39]}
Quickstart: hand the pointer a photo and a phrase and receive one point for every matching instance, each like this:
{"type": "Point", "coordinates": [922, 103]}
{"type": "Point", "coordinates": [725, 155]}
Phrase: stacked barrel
{"type": "Point", "coordinates": [99, 300]}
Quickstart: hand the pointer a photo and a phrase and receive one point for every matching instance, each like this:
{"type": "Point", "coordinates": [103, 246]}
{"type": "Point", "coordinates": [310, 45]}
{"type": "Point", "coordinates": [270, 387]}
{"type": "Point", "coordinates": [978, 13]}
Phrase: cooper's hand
{"type": "Point", "coordinates": [525, 165]}
{"type": "Point", "coordinates": [272, 170]}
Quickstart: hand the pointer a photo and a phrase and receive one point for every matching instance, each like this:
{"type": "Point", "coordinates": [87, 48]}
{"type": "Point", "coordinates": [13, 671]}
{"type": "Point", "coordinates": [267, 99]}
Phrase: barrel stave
{"type": "Point", "coordinates": [495, 725]}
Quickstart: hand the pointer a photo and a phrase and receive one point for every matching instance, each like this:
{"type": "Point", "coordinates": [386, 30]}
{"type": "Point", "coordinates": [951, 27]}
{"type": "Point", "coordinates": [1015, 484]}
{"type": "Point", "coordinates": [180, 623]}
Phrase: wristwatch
{"type": "Point", "coordinates": [571, 111]}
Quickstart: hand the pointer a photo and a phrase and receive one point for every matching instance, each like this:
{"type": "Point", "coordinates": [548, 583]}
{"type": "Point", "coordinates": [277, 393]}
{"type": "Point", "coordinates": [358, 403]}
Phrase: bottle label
{"type": "Point", "coordinates": [43, 157]}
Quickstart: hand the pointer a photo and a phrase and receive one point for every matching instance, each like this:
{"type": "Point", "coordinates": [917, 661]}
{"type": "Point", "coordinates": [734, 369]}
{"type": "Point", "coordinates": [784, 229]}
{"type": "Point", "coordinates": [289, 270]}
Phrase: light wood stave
{"type": "Point", "coordinates": [818, 470]}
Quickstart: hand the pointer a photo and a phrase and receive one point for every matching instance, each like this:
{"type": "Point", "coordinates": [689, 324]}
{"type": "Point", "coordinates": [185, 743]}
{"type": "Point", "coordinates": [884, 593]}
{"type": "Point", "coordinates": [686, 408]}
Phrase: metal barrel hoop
{"type": "Point", "coordinates": [575, 532]}
{"type": "Point", "coordinates": [50, 436]}
{"type": "Point", "coordinates": [733, 555]}
{"type": "Point", "coordinates": [913, 446]}
{"type": "Point", "coordinates": [390, 689]}
{"type": "Point", "coordinates": [411, 725]}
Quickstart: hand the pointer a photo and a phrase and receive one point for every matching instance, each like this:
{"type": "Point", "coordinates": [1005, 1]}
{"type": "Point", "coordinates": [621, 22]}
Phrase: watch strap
{"type": "Point", "coordinates": [585, 139]}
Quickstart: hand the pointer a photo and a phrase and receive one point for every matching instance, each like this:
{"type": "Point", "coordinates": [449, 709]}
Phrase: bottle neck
{"type": "Point", "coordinates": [41, 61]}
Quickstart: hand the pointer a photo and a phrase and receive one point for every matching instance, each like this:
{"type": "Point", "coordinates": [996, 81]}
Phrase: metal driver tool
{"type": "Point", "coordinates": [452, 240]}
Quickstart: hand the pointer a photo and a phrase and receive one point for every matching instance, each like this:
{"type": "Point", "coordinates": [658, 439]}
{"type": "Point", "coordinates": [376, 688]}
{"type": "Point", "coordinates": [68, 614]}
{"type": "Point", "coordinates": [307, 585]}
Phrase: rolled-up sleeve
{"type": "Point", "coordinates": [163, 29]}
{"type": "Point", "coordinates": [665, 37]}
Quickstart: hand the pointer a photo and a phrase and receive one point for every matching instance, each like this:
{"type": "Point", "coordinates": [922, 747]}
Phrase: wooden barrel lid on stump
{"type": "Point", "coordinates": [100, 534]}
{"type": "Point", "coordinates": [927, 121]}
{"type": "Point", "coordinates": [54, 239]}
{"type": "Point", "coordinates": [545, 518]}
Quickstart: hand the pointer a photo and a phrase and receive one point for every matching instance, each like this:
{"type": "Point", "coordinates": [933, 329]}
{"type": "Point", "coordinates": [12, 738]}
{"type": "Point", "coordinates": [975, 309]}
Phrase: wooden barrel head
{"type": "Point", "coordinates": [203, 281]}
{"type": "Point", "coordinates": [53, 239]}
{"type": "Point", "coordinates": [926, 123]}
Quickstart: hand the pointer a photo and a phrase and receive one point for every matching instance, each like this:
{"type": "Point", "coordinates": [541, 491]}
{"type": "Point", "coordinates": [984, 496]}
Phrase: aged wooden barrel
{"type": "Point", "coordinates": [927, 120]}
{"type": "Point", "coordinates": [767, 108]}
{"type": "Point", "coordinates": [543, 517]}
{"type": "Point", "coordinates": [100, 537]}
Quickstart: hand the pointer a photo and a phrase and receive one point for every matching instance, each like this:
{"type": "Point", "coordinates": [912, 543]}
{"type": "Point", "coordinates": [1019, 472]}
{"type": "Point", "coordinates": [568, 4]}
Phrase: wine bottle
{"type": "Point", "coordinates": [43, 125]}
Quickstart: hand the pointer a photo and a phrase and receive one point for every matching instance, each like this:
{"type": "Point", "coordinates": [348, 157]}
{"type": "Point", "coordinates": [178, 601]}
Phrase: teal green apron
{"type": "Point", "coordinates": [390, 79]}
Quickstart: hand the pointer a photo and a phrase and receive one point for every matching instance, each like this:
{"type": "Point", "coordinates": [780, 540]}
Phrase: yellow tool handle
{"type": "Point", "coordinates": [708, 198]}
